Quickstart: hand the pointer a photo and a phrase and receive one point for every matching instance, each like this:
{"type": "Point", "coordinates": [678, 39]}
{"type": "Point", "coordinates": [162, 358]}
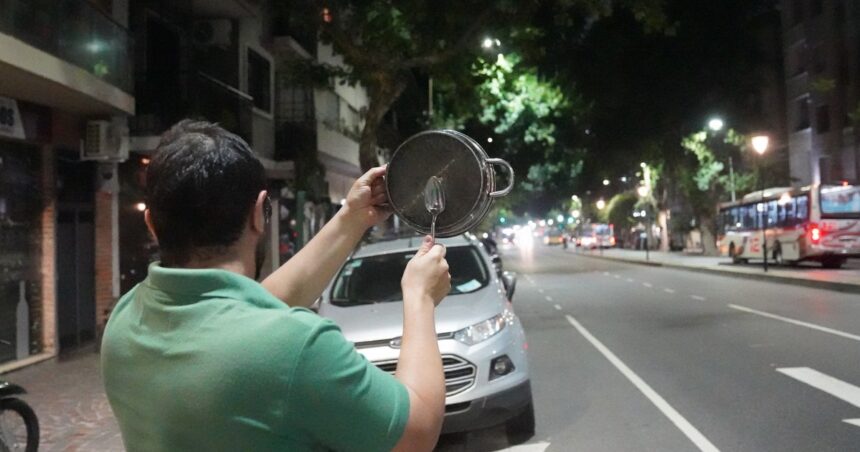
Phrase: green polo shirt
{"type": "Point", "coordinates": [209, 360]}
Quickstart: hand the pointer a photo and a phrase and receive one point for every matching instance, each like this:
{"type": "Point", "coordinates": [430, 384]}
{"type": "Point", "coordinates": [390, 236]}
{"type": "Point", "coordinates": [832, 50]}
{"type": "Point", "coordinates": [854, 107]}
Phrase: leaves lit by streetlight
{"type": "Point", "coordinates": [643, 191]}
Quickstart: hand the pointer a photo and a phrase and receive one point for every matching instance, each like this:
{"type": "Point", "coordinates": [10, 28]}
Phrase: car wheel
{"type": "Point", "coordinates": [522, 427]}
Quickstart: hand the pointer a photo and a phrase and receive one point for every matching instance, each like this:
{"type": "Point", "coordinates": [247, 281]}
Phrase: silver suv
{"type": "Point", "coordinates": [482, 341]}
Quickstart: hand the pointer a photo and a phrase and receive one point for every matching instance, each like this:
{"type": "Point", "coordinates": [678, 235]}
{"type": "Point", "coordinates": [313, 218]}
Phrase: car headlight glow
{"type": "Point", "coordinates": [482, 331]}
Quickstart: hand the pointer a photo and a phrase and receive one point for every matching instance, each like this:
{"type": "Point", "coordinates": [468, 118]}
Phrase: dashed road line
{"type": "Point", "coordinates": [668, 290]}
{"type": "Point", "coordinates": [697, 297]}
{"type": "Point", "coordinates": [674, 416]}
{"type": "Point", "coordinates": [630, 280]}
{"type": "Point", "coordinates": [605, 273]}
{"type": "Point", "coordinates": [797, 322]}
{"type": "Point", "coordinates": [647, 284]}
{"type": "Point", "coordinates": [616, 276]}
{"type": "Point", "coordinates": [558, 308]}
{"type": "Point", "coordinates": [548, 298]}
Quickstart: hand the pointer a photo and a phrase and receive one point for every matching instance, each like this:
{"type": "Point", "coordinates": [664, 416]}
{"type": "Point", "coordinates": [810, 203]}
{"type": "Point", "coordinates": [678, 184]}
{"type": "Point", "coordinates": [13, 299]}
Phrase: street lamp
{"type": "Point", "coordinates": [605, 181]}
{"type": "Point", "coordinates": [715, 124]}
{"type": "Point", "coordinates": [600, 204]}
{"type": "Point", "coordinates": [759, 144]}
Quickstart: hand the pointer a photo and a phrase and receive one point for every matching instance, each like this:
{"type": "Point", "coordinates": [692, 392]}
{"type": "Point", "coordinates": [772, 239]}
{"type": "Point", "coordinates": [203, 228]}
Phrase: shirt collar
{"type": "Point", "coordinates": [194, 284]}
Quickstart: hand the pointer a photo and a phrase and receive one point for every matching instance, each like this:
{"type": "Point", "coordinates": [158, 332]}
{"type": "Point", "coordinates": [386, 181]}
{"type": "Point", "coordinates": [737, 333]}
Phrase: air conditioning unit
{"type": "Point", "coordinates": [215, 32]}
{"type": "Point", "coordinates": [105, 141]}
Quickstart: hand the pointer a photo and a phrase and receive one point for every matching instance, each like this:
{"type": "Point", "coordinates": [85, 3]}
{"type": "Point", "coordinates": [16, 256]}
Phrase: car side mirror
{"type": "Point", "coordinates": [509, 280]}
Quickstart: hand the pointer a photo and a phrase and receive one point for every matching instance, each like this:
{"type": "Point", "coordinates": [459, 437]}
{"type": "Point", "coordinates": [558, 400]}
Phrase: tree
{"type": "Point", "coordinates": [706, 182]}
{"type": "Point", "coordinates": [385, 43]}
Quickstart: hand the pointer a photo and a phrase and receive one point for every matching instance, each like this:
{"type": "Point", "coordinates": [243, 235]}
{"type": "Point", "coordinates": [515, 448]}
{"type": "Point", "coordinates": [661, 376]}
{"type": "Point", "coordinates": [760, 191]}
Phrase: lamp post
{"type": "Point", "coordinates": [759, 144]}
{"type": "Point", "coordinates": [643, 192]}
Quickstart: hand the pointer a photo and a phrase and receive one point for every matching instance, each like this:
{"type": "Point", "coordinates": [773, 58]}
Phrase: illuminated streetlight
{"type": "Point", "coordinates": [559, 218]}
{"type": "Point", "coordinates": [605, 181]}
{"type": "Point", "coordinates": [575, 213]}
{"type": "Point", "coordinates": [600, 204]}
{"type": "Point", "coordinates": [489, 139]}
{"type": "Point", "coordinates": [760, 143]}
{"type": "Point", "coordinates": [550, 222]}
{"type": "Point", "coordinates": [643, 191]}
{"type": "Point", "coordinates": [643, 164]}
{"type": "Point", "coordinates": [488, 43]}
{"type": "Point", "coordinates": [141, 206]}
{"type": "Point", "coordinates": [715, 124]}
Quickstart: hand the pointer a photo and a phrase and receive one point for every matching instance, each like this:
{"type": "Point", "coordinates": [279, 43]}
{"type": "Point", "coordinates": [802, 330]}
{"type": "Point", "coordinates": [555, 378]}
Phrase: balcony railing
{"type": "Point", "coordinates": [75, 31]}
{"type": "Point", "coordinates": [208, 98]}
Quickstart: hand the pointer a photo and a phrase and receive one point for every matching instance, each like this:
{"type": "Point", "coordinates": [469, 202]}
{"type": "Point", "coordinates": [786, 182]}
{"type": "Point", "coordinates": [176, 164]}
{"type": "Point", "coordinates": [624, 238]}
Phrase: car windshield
{"type": "Point", "coordinates": [840, 201]}
{"type": "Point", "coordinates": [376, 279]}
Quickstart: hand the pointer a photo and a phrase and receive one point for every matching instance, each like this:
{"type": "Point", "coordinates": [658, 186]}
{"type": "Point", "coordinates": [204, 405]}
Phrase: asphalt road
{"type": "Point", "coordinates": [630, 357]}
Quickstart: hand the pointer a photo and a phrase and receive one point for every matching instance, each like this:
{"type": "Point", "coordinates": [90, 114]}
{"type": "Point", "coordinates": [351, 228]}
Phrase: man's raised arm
{"type": "Point", "coordinates": [301, 280]}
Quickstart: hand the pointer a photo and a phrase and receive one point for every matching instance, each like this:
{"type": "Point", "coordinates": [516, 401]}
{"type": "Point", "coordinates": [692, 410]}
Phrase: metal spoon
{"type": "Point", "coordinates": [434, 201]}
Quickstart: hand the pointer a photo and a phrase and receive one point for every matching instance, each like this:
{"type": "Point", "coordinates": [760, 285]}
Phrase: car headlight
{"type": "Point", "coordinates": [482, 331]}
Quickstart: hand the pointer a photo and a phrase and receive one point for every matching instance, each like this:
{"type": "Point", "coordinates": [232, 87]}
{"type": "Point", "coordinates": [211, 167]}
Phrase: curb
{"type": "Point", "coordinates": [827, 285]}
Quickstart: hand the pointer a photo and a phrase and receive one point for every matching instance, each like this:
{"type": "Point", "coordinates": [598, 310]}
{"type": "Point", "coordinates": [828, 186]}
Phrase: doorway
{"type": "Point", "coordinates": [75, 244]}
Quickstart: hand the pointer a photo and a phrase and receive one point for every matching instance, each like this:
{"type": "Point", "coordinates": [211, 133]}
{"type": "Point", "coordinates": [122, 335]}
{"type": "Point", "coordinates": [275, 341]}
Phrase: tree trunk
{"type": "Point", "coordinates": [382, 92]}
{"type": "Point", "coordinates": [709, 240]}
{"type": "Point", "coordinates": [663, 223]}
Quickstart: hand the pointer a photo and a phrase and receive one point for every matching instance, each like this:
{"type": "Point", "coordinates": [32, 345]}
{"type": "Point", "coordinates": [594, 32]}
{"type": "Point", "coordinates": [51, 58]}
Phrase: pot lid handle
{"type": "Point", "coordinates": [510, 171]}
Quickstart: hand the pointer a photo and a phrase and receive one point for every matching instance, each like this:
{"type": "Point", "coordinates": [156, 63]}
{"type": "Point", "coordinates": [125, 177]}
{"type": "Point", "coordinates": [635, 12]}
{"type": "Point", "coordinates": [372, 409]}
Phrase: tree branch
{"type": "Point", "coordinates": [465, 40]}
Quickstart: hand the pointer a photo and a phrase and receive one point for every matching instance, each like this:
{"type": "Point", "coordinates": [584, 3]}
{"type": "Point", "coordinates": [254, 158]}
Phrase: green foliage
{"type": "Point", "coordinates": [823, 85]}
{"type": "Point", "coordinates": [619, 210]}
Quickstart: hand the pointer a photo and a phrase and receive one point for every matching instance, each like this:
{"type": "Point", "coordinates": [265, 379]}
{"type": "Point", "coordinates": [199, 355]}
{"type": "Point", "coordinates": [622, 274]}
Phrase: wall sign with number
{"type": "Point", "coordinates": [10, 119]}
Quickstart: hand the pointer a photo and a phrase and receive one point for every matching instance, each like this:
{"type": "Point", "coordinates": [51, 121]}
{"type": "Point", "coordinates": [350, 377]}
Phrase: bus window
{"type": "Point", "coordinates": [802, 209]}
{"type": "Point", "coordinates": [771, 214]}
{"type": "Point", "coordinates": [750, 217]}
{"type": "Point", "coordinates": [788, 210]}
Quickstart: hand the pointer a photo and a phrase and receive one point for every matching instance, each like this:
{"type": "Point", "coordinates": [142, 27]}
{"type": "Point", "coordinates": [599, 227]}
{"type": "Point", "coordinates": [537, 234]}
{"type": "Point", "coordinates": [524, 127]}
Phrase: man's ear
{"type": "Point", "coordinates": [258, 218]}
{"type": "Point", "coordinates": [148, 220]}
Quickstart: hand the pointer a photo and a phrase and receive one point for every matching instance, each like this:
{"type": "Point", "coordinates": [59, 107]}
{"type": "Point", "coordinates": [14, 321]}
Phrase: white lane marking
{"type": "Point", "coordinates": [536, 447]}
{"type": "Point", "coordinates": [647, 284]}
{"type": "Point", "coordinates": [697, 297]}
{"type": "Point", "coordinates": [797, 322]}
{"type": "Point", "coordinates": [548, 298]}
{"type": "Point", "coordinates": [605, 273]}
{"type": "Point", "coordinates": [686, 428]}
{"type": "Point", "coordinates": [540, 290]}
{"type": "Point", "coordinates": [629, 279]}
{"type": "Point", "coordinates": [852, 421]}
{"type": "Point", "coordinates": [668, 290]}
{"type": "Point", "coordinates": [616, 276]}
{"type": "Point", "coordinates": [558, 308]}
{"type": "Point", "coordinates": [833, 386]}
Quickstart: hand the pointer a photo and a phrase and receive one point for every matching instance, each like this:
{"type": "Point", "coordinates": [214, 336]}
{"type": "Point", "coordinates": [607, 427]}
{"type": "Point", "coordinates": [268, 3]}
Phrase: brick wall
{"type": "Point", "coordinates": [104, 255]}
{"type": "Point", "coordinates": [48, 299]}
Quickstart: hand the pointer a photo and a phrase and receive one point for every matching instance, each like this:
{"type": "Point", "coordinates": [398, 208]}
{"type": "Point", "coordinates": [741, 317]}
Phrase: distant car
{"type": "Point", "coordinates": [481, 339]}
{"type": "Point", "coordinates": [553, 237]}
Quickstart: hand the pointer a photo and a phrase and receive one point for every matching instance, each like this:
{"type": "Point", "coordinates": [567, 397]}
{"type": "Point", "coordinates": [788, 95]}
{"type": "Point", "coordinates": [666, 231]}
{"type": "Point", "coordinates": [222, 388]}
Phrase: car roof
{"type": "Point", "coordinates": [406, 244]}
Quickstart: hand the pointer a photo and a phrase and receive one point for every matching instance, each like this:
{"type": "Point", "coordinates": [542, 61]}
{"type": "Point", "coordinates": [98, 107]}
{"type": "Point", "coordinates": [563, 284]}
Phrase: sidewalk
{"type": "Point", "coordinates": [809, 274]}
{"type": "Point", "coordinates": [68, 397]}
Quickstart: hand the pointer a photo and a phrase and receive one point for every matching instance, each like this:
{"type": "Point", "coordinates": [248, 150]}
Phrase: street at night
{"type": "Point", "coordinates": [632, 357]}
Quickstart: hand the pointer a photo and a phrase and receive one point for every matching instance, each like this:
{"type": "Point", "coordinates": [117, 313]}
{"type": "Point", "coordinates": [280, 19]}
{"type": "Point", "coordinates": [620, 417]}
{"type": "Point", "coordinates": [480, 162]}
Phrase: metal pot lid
{"type": "Point", "coordinates": [451, 156]}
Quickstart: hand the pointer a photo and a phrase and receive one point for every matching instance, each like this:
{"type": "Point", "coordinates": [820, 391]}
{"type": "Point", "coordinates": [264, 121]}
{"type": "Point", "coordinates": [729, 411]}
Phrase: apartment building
{"type": "Point", "coordinates": [66, 92]}
{"type": "Point", "coordinates": [821, 48]}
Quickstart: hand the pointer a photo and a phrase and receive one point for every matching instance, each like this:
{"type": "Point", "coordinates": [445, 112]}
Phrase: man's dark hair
{"type": "Point", "coordinates": [200, 188]}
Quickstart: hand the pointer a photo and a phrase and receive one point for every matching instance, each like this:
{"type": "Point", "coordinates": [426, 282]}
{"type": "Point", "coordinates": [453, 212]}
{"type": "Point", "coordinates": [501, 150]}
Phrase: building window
{"type": "Point", "coordinates": [822, 119]}
{"type": "Point", "coordinates": [802, 115]}
{"type": "Point", "coordinates": [796, 12]}
{"type": "Point", "coordinates": [260, 80]}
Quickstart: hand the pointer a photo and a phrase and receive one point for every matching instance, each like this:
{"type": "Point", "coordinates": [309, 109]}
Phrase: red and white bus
{"type": "Point", "coordinates": [815, 223]}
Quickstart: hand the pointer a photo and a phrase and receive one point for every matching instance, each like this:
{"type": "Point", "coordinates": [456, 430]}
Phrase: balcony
{"type": "Point", "coordinates": [68, 45]}
{"type": "Point", "coordinates": [208, 98]}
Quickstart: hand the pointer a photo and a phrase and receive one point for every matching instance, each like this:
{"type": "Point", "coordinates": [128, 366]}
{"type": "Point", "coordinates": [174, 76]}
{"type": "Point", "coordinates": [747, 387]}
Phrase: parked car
{"type": "Point", "coordinates": [481, 339]}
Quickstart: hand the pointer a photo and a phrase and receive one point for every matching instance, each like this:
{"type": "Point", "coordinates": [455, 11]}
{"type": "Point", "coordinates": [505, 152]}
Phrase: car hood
{"type": "Point", "coordinates": [380, 321]}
